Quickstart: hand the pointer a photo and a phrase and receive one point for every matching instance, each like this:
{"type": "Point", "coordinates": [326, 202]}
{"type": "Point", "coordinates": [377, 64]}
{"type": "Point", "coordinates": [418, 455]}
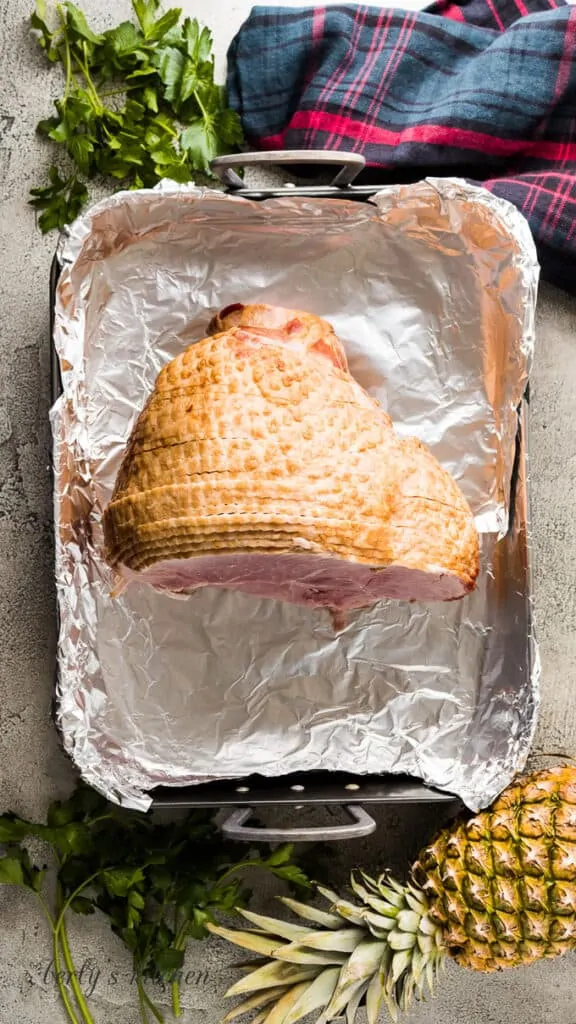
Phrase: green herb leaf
{"type": "Point", "coordinates": [60, 201]}
{"type": "Point", "coordinates": [200, 144]}
{"type": "Point", "coordinates": [118, 881]}
{"type": "Point", "coordinates": [11, 872]}
{"type": "Point", "coordinates": [85, 802]}
{"type": "Point", "coordinates": [164, 24]}
{"type": "Point", "coordinates": [45, 126]}
{"type": "Point", "coordinates": [145, 11]}
{"type": "Point", "coordinates": [73, 837]}
{"type": "Point", "coordinates": [191, 896]}
{"type": "Point", "coordinates": [14, 829]}
{"type": "Point", "coordinates": [198, 42]}
{"type": "Point", "coordinates": [76, 21]}
{"type": "Point", "coordinates": [136, 899]}
{"type": "Point", "coordinates": [169, 960]}
{"type": "Point", "coordinates": [82, 905]}
{"type": "Point", "coordinates": [160, 878]}
{"type": "Point", "coordinates": [129, 938]}
{"type": "Point", "coordinates": [81, 148]}
{"type": "Point", "coordinates": [150, 97]}
{"type": "Point", "coordinates": [197, 926]}
{"type": "Point", "coordinates": [45, 37]}
{"type": "Point", "coordinates": [170, 64]}
{"type": "Point", "coordinates": [228, 898]}
{"type": "Point", "coordinates": [204, 138]}
{"type": "Point", "coordinates": [293, 874]}
{"type": "Point", "coordinates": [189, 81]}
{"type": "Point", "coordinates": [230, 127]}
{"type": "Point", "coordinates": [123, 42]}
{"type": "Point", "coordinates": [176, 171]}
{"type": "Point", "coordinates": [282, 855]}
{"type": "Point", "coordinates": [60, 813]}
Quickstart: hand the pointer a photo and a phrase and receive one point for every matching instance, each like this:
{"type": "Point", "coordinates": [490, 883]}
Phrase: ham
{"type": "Point", "coordinates": [259, 464]}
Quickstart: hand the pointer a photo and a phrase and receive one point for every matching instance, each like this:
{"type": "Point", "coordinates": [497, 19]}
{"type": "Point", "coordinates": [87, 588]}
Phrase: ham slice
{"type": "Point", "coordinates": [259, 464]}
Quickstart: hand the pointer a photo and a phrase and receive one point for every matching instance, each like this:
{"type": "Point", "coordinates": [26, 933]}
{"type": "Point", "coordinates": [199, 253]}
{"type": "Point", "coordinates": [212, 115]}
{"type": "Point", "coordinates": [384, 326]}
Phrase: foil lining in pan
{"type": "Point", "coordinates": [432, 288]}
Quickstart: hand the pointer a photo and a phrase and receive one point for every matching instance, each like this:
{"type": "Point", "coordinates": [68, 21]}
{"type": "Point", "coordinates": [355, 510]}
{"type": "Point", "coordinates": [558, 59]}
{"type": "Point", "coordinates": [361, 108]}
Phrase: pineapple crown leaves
{"type": "Point", "coordinates": [383, 951]}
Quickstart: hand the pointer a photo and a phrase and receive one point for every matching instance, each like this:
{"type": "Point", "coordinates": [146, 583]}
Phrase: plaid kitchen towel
{"type": "Point", "coordinates": [484, 89]}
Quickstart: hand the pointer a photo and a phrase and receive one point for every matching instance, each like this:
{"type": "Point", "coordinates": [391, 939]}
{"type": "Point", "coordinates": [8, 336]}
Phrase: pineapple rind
{"type": "Point", "coordinates": [503, 885]}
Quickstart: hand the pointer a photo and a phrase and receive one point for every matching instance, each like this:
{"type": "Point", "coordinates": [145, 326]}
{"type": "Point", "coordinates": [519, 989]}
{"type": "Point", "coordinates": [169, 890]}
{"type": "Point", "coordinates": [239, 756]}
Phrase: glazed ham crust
{"type": "Point", "coordinates": [260, 464]}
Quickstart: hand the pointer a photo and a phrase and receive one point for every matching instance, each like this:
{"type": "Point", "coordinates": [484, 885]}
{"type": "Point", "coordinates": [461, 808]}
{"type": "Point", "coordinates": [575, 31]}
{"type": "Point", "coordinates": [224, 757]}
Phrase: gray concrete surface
{"type": "Point", "coordinates": [32, 769]}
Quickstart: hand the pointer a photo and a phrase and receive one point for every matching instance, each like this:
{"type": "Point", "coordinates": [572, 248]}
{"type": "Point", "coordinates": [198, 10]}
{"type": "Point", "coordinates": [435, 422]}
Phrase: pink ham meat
{"type": "Point", "coordinates": [259, 464]}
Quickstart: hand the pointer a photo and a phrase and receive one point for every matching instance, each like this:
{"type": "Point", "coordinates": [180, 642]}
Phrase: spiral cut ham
{"type": "Point", "coordinates": [259, 464]}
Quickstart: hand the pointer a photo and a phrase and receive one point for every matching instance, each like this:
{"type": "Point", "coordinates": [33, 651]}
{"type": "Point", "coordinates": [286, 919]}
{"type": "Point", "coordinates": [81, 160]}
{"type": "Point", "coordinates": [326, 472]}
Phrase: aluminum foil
{"type": "Point", "coordinates": [432, 288]}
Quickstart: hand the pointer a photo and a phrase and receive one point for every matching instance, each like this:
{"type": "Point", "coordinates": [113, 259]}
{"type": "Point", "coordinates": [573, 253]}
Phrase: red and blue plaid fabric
{"type": "Point", "coordinates": [484, 89]}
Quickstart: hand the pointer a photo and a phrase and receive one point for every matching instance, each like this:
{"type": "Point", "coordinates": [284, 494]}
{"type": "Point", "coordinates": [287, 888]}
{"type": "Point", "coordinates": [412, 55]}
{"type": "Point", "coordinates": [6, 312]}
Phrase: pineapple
{"type": "Point", "coordinates": [498, 890]}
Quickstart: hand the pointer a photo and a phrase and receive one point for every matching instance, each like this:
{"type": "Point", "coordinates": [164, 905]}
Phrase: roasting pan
{"type": "Point", "coordinates": [322, 788]}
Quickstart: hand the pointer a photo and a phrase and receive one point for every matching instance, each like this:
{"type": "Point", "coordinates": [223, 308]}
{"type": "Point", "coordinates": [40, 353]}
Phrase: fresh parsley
{"type": "Point", "coordinates": [159, 885]}
{"type": "Point", "coordinates": [139, 104]}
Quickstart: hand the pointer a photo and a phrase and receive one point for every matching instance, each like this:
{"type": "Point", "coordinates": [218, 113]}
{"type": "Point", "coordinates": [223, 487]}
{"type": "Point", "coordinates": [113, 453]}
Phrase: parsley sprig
{"type": "Point", "coordinates": [139, 104]}
{"type": "Point", "coordinates": [159, 885]}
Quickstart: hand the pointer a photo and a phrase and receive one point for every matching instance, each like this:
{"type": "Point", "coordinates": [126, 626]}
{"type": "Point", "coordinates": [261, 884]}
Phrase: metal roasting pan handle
{"type": "Point", "coordinates": [234, 828]}
{"type": "Point", "coordinates": [350, 164]}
